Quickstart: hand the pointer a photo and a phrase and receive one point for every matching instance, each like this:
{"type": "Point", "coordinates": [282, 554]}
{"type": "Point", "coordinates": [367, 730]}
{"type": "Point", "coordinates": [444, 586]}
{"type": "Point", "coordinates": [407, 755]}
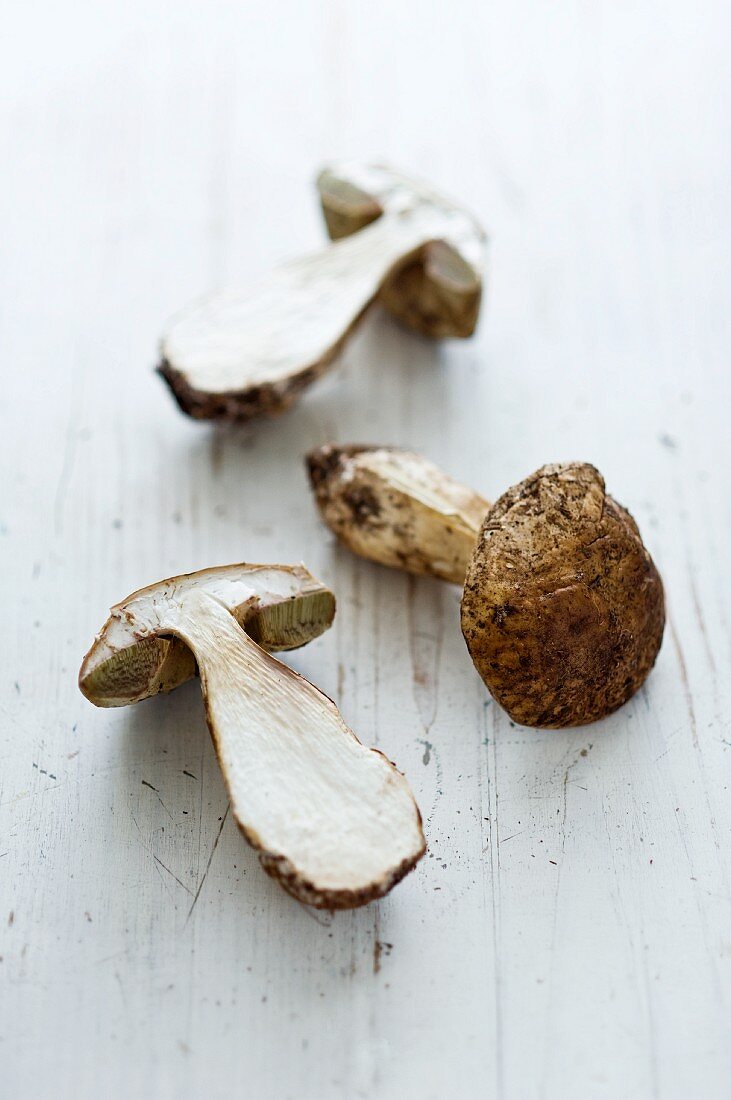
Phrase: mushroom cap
{"type": "Point", "coordinates": [563, 609]}
{"type": "Point", "coordinates": [279, 606]}
{"type": "Point", "coordinates": [436, 292]}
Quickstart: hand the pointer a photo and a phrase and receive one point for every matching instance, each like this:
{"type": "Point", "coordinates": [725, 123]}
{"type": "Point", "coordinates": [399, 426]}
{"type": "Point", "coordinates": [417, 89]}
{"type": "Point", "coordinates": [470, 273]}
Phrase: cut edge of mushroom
{"type": "Point", "coordinates": [438, 292]}
{"type": "Point", "coordinates": [333, 821]}
{"type": "Point", "coordinates": [250, 352]}
{"type": "Point", "coordinates": [128, 663]}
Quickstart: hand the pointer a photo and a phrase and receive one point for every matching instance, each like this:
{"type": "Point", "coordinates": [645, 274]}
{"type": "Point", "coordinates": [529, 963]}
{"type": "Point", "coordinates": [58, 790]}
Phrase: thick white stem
{"type": "Point", "coordinates": [335, 821]}
{"type": "Point", "coordinates": [293, 320]}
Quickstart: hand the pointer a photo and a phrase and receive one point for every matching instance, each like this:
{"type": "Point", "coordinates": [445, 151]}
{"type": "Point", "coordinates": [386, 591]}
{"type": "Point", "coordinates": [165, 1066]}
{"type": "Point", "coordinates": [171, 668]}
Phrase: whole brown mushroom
{"type": "Point", "coordinates": [562, 610]}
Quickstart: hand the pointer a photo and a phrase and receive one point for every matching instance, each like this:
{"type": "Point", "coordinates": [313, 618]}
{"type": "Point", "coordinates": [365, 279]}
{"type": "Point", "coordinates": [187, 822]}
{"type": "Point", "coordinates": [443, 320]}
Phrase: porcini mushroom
{"type": "Point", "coordinates": [333, 821]}
{"type": "Point", "coordinates": [397, 508]}
{"type": "Point", "coordinates": [247, 352]}
{"type": "Point", "coordinates": [562, 609]}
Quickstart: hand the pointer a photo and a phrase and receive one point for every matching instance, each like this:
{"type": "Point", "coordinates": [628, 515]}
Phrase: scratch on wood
{"type": "Point", "coordinates": [686, 684]}
{"type": "Point", "coordinates": [217, 450]}
{"type": "Point", "coordinates": [121, 988]}
{"type": "Point", "coordinates": [700, 620]}
{"type": "Point", "coordinates": [694, 733]}
{"type": "Point", "coordinates": [64, 478]}
{"type": "Point", "coordinates": [376, 956]}
{"type": "Point", "coordinates": [652, 1030]}
{"type": "Point", "coordinates": [426, 620]}
{"type": "Point", "coordinates": [376, 939]}
{"type": "Point", "coordinates": [166, 868]}
{"type": "Point", "coordinates": [167, 811]}
{"type": "Point", "coordinates": [431, 750]}
{"type": "Point", "coordinates": [208, 865]}
{"type": "Point", "coordinates": [556, 895]}
{"type": "Point", "coordinates": [505, 839]}
{"type": "Point", "coordinates": [492, 788]}
{"type": "Point", "coordinates": [325, 923]}
{"type": "Point", "coordinates": [200, 814]}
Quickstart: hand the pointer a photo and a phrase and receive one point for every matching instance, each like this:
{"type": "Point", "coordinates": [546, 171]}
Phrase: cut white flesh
{"type": "Point", "coordinates": [353, 189]}
{"type": "Point", "coordinates": [397, 508]}
{"type": "Point", "coordinates": [281, 606]}
{"type": "Point", "coordinates": [437, 292]}
{"type": "Point", "coordinates": [247, 352]}
{"type": "Point", "coordinates": [334, 821]}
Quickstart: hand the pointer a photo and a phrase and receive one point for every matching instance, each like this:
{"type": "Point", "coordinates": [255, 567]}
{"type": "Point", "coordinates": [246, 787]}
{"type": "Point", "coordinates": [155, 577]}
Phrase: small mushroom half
{"type": "Point", "coordinates": [333, 821]}
{"type": "Point", "coordinates": [397, 508]}
{"type": "Point", "coordinates": [250, 351]}
{"type": "Point", "coordinates": [562, 610]}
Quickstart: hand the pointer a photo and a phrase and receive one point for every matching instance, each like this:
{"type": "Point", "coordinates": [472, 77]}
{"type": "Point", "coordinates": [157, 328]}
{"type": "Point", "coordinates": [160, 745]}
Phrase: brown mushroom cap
{"type": "Point", "coordinates": [563, 609]}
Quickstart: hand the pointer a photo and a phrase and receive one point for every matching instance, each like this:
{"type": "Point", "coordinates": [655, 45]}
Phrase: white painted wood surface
{"type": "Point", "coordinates": [569, 935]}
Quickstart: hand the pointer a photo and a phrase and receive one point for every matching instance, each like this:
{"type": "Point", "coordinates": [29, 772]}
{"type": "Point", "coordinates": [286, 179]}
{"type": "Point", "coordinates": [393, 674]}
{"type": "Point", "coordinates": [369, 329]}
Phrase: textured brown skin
{"type": "Point", "coordinates": [355, 502]}
{"type": "Point", "coordinates": [378, 522]}
{"type": "Point", "coordinates": [435, 294]}
{"type": "Point", "coordinates": [281, 870]}
{"type": "Point", "coordinates": [563, 609]}
{"type": "Point", "coordinates": [326, 461]}
{"type": "Point", "coordinates": [253, 403]}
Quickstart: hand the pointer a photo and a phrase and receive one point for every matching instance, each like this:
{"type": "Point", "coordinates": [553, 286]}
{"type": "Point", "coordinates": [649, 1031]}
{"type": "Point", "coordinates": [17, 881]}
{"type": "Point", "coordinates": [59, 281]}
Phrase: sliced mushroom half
{"type": "Point", "coordinates": [250, 351]}
{"type": "Point", "coordinates": [397, 508]}
{"type": "Point", "coordinates": [562, 610]}
{"type": "Point", "coordinates": [333, 821]}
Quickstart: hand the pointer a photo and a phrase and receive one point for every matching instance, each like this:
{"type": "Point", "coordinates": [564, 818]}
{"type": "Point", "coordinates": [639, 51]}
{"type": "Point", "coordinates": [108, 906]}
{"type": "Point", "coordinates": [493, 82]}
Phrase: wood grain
{"type": "Point", "coordinates": [568, 934]}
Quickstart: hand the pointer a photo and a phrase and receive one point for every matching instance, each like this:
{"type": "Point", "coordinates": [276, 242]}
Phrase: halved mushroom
{"type": "Point", "coordinates": [563, 608]}
{"type": "Point", "coordinates": [248, 352]}
{"type": "Point", "coordinates": [397, 508]}
{"type": "Point", "coordinates": [334, 821]}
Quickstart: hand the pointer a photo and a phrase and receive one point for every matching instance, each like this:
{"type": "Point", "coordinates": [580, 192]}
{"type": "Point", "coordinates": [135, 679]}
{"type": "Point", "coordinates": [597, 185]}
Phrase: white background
{"type": "Point", "coordinates": [569, 934]}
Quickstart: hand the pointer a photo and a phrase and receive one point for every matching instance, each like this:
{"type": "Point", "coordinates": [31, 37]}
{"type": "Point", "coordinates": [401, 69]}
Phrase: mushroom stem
{"type": "Point", "coordinates": [397, 508]}
{"type": "Point", "coordinates": [251, 351]}
{"type": "Point", "coordinates": [334, 821]}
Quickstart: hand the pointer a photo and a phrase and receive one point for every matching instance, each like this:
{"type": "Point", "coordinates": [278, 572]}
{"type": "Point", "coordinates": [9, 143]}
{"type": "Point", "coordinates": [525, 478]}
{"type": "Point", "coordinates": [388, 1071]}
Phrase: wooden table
{"type": "Point", "coordinates": [569, 934]}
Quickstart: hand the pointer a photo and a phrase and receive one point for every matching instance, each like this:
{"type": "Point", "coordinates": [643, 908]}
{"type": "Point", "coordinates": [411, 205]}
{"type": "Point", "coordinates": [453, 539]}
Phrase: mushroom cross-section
{"type": "Point", "coordinates": [562, 609]}
{"type": "Point", "coordinates": [333, 821]}
{"type": "Point", "coordinates": [250, 351]}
